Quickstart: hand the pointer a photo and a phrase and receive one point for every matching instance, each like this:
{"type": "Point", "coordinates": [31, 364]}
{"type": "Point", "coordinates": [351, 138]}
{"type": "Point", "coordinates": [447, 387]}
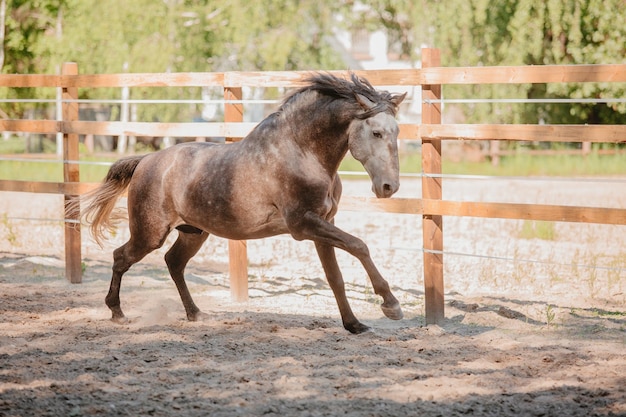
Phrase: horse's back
{"type": "Point", "coordinates": [177, 160]}
{"type": "Point", "coordinates": [212, 187]}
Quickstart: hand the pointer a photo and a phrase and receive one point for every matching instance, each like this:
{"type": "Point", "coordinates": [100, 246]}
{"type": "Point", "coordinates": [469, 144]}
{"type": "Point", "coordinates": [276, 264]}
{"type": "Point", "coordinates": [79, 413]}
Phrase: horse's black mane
{"type": "Point", "coordinates": [340, 88]}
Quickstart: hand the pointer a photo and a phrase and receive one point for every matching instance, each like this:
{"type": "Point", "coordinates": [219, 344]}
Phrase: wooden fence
{"type": "Point", "coordinates": [431, 132]}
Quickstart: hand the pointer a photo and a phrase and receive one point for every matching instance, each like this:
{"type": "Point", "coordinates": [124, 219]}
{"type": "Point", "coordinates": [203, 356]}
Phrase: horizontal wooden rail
{"type": "Point", "coordinates": [396, 77]}
{"type": "Point", "coordinates": [30, 126]}
{"type": "Point", "coordinates": [381, 205]}
{"type": "Point", "coordinates": [349, 203]}
{"type": "Point", "coordinates": [390, 77]}
{"type": "Point", "coordinates": [408, 77]}
{"type": "Point", "coordinates": [524, 74]}
{"type": "Point", "coordinates": [544, 133]}
{"type": "Point", "coordinates": [159, 129]}
{"type": "Point", "coordinates": [180, 79]}
{"type": "Point", "coordinates": [47, 187]}
{"type": "Point", "coordinates": [29, 80]}
{"type": "Point", "coordinates": [545, 212]}
{"type": "Point", "coordinates": [208, 129]}
{"type": "Point", "coordinates": [526, 211]}
{"type": "Point", "coordinates": [602, 215]}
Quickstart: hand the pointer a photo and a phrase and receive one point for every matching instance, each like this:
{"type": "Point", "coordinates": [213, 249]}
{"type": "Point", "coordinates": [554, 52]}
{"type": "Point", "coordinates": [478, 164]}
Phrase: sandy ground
{"type": "Point", "coordinates": [534, 326]}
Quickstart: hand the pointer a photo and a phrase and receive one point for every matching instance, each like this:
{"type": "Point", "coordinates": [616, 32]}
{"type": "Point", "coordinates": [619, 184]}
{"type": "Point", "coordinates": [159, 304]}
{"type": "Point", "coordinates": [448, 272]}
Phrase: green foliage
{"type": "Point", "coordinates": [12, 146]}
{"type": "Point", "coordinates": [30, 171]}
{"type": "Point", "coordinates": [536, 229]}
{"type": "Point", "coordinates": [516, 165]}
{"type": "Point", "coordinates": [27, 25]}
{"type": "Point", "coordinates": [276, 35]}
{"type": "Point", "coordinates": [11, 236]}
{"type": "Point", "coordinates": [517, 32]}
{"type": "Point", "coordinates": [550, 315]}
{"type": "Point", "coordinates": [51, 171]}
{"type": "Point", "coordinates": [114, 36]}
{"type": "Point", "coordinates": [519, 165]}
{"type": "Point", "coordinates": [555, 165]}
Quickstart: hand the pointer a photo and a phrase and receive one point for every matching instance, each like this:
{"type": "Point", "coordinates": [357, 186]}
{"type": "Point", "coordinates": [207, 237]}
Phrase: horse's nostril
{"type": "Point", "coordinates": [388, 189]}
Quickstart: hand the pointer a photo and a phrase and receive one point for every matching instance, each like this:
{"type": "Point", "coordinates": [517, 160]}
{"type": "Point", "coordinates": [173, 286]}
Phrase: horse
{"type": "Point", "coordinates": [280, 179]}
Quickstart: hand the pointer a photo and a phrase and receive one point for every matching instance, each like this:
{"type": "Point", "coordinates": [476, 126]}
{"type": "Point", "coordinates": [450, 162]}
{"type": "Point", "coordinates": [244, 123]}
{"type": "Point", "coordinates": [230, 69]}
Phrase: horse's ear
{"type": "Point", "coordinates": [397, 99]}
{"type": "Point", "coordinates": [365, 102]}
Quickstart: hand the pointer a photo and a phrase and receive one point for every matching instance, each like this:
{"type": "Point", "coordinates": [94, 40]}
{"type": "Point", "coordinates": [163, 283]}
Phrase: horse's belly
{"type": "Point", "coordinates": [245, 231]}
{"type": "Point", "coordinates": [243, 224]}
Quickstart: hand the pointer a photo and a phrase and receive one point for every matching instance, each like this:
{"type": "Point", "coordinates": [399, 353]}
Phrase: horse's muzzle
{"type": "Point", "coordinates": [385, 189]}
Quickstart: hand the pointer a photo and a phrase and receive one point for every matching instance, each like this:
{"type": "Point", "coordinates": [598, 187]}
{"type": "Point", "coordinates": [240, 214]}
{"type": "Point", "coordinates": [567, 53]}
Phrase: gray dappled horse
{"type": "Point", "coordinates": [282, 178]}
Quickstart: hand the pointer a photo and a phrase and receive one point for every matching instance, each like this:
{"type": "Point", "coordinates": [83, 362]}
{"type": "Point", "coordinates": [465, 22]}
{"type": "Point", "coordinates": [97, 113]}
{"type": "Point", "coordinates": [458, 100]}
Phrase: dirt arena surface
{"type": "Point", "coordinates": [535, 326]}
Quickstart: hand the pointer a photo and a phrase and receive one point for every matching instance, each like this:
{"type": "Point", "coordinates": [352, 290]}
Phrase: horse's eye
{"type": "Point", "coordinates": [377, 134]}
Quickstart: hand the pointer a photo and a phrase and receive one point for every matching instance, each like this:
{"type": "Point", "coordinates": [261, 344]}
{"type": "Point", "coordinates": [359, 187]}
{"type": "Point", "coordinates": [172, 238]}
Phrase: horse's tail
{"type": "Point", "coordinates": [100, 212]}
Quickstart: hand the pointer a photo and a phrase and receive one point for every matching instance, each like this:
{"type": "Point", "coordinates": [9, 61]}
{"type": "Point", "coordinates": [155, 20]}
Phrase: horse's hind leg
{"type": "Point", "coordinates": [123, 258]}
{"type": "Point", "coordinates": [176, 258]}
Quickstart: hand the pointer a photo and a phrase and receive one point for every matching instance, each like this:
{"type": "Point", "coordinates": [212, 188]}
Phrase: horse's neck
{"type": "Point", "coordinates": [325, 136]}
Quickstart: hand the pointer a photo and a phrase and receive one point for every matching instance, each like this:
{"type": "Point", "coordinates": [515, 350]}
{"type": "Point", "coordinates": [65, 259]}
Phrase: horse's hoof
{"type": "Point", "coordinates": [357, 328]}
{"type": "Point", "coordinates": [117, 319]}
{"type": "Point", "coordinates": [394, 313]}
{"type": "Point", "coordinates": [197, 316]}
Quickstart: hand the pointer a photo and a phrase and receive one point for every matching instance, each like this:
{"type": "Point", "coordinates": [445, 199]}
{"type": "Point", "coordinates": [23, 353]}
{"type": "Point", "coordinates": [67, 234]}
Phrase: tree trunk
{"type": "Point", "coordinates": [3, 9]}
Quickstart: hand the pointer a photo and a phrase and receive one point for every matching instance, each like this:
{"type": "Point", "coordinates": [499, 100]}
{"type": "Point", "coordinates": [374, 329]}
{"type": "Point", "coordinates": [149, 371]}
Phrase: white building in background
{"type": "Point", "coordinates": [365, 50]}
{"type": "Point", "coordinates": [360, 49]}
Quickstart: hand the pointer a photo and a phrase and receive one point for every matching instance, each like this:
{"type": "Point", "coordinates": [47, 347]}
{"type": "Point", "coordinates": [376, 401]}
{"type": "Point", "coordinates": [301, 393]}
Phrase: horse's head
{"type": "Point", "coordinates": [373, 141]}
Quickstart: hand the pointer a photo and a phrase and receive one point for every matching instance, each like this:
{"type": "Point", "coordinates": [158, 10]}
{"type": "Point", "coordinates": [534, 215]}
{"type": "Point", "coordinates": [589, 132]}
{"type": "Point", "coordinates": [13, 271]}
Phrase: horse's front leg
{"type": "Point", "coordinates": [312, 226]}
{"type": "Point", "coordinates": [335, 280]}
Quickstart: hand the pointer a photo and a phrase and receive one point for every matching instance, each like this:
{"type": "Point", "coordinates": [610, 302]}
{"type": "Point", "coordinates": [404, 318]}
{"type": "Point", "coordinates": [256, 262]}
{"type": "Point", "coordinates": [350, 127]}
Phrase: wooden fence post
{"type": "Point", "coordinates": [237, 249]}
{"type": "Point", "coordinates": [586, 148]}
{"type": "Point", "coordinates": [73, 267]}
{"type": "Point", "coordinates": [431, 189]}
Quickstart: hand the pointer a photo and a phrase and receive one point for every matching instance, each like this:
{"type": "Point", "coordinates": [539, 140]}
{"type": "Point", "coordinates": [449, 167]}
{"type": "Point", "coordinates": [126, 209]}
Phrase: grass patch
{"type": "Point", "coordinates": [562, 165]}
{"type": "Point", "coordinates": [11, 236]}
{"type": "Point", "coordinates": [13, 145]}
{"type": "Point", "coordinates": [537, 229]}
{"type": "Point", "coordinates": [52, 171]}
{"type": "Point", "coordinates": [517, 165]}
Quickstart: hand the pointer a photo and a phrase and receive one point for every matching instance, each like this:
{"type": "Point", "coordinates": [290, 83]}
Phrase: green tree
{"type": "Point", "coordinates": [572, 32]}
{"type": "Point", "coordinates": [112, 36]}
{"type": "Point", "coordinates": [517, 32]}
{"type": "Point", "coordinates": [196, 35]}
{"type": "Point", "coordinates": [26, 23]}
{"type": "Point", "coordinates": [276, 35]}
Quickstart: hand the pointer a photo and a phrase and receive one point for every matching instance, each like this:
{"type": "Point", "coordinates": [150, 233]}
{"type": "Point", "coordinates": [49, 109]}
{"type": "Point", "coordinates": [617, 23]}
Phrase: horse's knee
{"type": "Point", "coordinates": [359, 249]}
{"type": "Point", "coordinates": [362, 248]}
